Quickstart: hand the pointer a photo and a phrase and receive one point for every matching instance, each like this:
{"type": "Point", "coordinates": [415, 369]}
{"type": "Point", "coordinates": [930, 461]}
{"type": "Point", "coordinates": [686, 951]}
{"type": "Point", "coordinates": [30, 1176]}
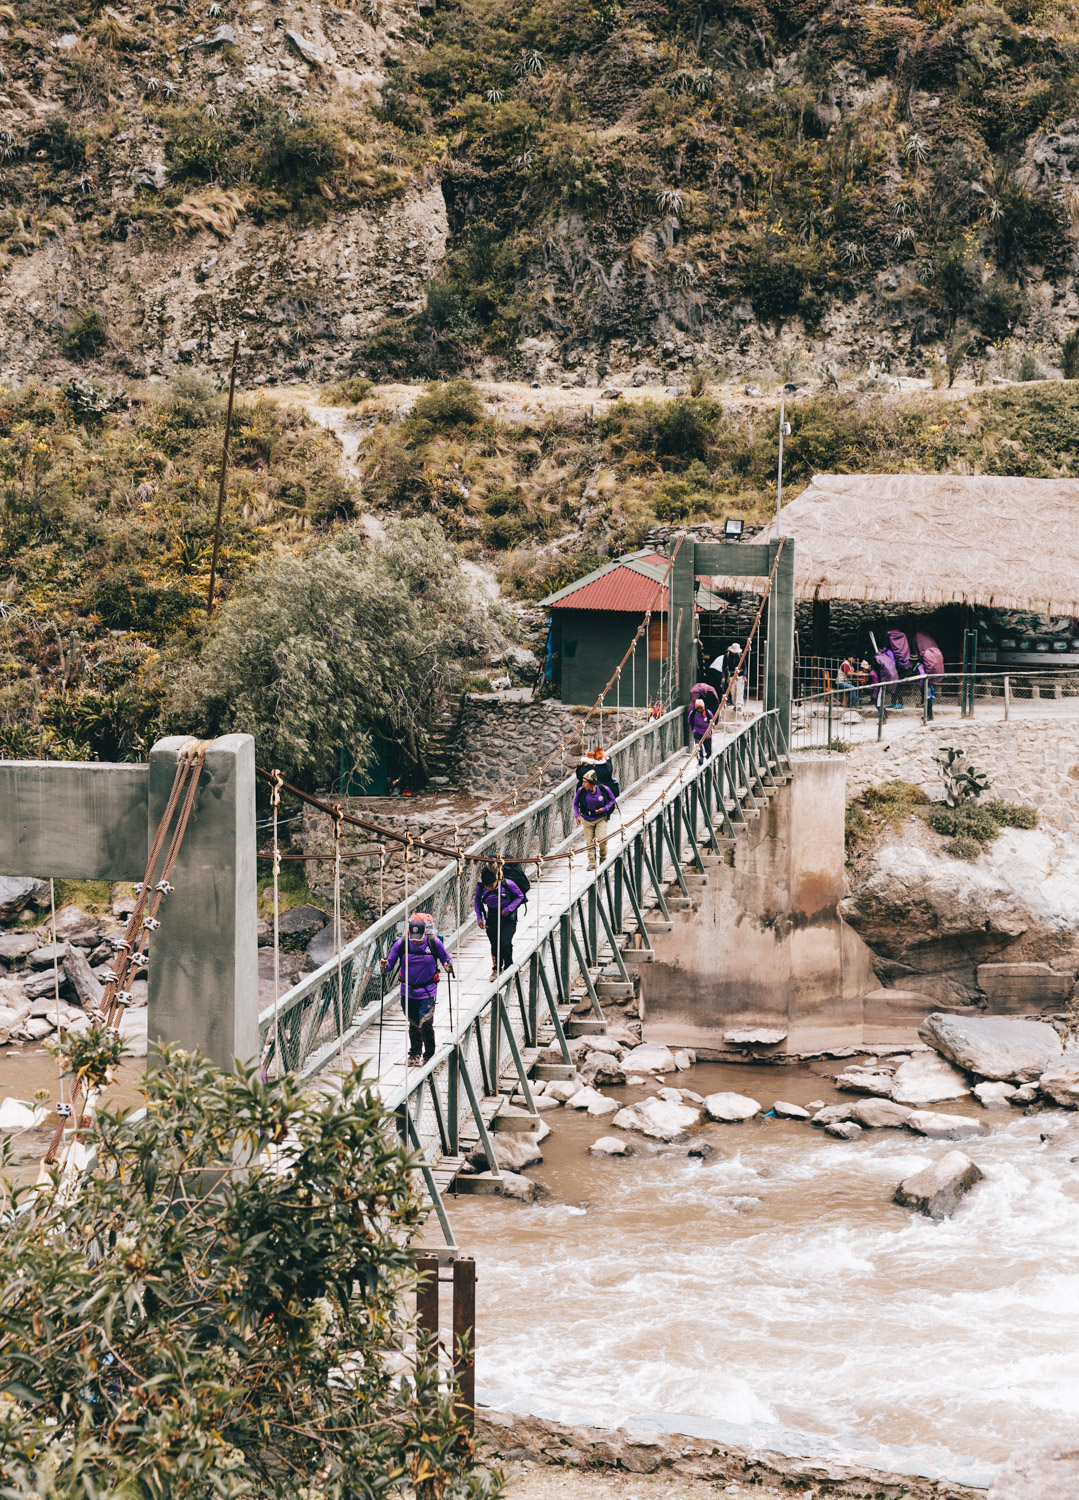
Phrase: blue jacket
{"type": "Point", "coordinates": [593, 802]}
{"type": "Point", "coordinates": [424, 958]}
{"type": "Point", "coordinates": [485, 903]}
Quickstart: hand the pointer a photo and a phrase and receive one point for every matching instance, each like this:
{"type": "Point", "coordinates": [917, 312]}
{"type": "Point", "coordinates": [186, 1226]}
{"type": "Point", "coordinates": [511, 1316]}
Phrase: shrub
{"type": "Point", "coordinates": [448, 405]}
{"type": "Point", "coordinates": [259, 1335]}
{"type": "Point", "coordinates": [970, 819]}
{"type": "Point", "coordinates": [857, 828]}
{"type": "Point", "coordinates": [346, 392]}
{"type": "Point", "coordinates": [964, 846]}
{"type": "Point", "coordinates": [85, 334]}
{"type": "Point", "coordinates": [1012, 814]}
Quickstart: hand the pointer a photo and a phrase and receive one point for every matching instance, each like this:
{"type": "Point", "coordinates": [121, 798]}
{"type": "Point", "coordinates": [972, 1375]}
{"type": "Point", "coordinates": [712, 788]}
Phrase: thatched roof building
{"type": "Point", "coordinates": [929, 539]}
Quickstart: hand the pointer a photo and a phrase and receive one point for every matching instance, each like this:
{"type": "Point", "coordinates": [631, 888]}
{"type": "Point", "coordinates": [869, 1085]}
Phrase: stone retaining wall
{"type": "Point", "coordinates": [1032, 760]}
{"type": "Point", "coordinates": [499, 744]}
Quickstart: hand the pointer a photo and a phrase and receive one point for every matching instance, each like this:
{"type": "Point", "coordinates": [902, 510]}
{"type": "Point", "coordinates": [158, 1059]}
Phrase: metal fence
{"type": "Point", "coordinates": [850, 715]}
{"type": "Point", "coordinates": [317, 1017]}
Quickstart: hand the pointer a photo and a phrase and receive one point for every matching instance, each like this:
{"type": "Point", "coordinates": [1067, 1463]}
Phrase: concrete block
{"type": "Point", "coordinates": [1024, 986]}
{"type": "Point", "coordinates": [204, 974]}
{"type": "Point", "coordinates": [73, 820]}
{"type": "Point", "coordinates": [552, 1071]}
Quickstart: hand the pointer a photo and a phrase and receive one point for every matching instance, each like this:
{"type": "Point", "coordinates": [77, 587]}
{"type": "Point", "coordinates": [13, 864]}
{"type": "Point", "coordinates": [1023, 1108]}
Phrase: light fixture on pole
{"type": "Point", "coordinates": [784, 431]}
{"type": "Point", "coordinates": [733, 527]}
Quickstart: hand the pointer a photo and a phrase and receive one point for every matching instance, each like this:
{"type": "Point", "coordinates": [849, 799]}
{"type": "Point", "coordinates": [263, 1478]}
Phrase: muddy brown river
{"type": "Point", "coordinates": [774, 1294]}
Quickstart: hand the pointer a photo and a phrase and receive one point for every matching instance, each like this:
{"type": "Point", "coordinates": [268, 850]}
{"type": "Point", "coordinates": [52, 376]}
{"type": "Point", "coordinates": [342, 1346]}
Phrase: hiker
{"type": "Point", "coordinates": [888, 673]}
{"type": "Point", "coordinates": [735, 678]}
{"type": "Point", "coordinates": [593, 803]}
{"type": "Point", "coordinates": [419, 955]}
{"type": "Point", "coordinates": [700, 727]}
{"type": "Point", "coordinates": [496, 904]}
{"type": "Point", "coordinates": [932, 663]}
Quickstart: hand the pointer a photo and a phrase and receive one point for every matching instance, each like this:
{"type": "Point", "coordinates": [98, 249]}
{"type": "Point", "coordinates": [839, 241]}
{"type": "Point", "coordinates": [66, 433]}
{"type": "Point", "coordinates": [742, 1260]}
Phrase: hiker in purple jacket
{"type": "Point", "coordinates": [593, 803]}
{"type": "Point", "coordinates": [419, 956]}
{"type": "Point", "coordinates": [699, 719]}
{"type": "Point", "coordinates": [496, 904]}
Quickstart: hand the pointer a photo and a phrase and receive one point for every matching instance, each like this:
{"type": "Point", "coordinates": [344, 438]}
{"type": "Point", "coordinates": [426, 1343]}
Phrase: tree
{"type": "Point", "coordinates": [215, 1310]}
{"type": "Point", "coordinates": [347, 642]}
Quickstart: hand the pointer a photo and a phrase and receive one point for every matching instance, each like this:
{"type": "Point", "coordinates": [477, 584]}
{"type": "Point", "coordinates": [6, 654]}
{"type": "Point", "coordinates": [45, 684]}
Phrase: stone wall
{"type": "Point", "coordinates": [1033, 760]}
{"type": "Point", "coordinates": [500, 744]}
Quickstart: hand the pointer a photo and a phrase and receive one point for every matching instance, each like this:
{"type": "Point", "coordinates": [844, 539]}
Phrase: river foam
{"type": "Point", "coordinates": [777, 1290]}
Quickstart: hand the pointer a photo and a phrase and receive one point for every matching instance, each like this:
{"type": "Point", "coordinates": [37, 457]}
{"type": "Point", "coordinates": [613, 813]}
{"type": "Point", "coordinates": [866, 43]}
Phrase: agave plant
{"type": "Point", "coordinates": [494, 96]}
{"type": "Point", "coordinates": [670, 201]}
{"type": "Point", "coordinates": [528, 61]}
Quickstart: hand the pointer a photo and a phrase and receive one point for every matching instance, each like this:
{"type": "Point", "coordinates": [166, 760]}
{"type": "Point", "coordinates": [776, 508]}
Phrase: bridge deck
{"type": "Point", "coordinates": [384, 1046]}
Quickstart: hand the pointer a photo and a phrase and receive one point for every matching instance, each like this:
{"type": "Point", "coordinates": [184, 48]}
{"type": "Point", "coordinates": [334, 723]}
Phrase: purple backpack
{"type": "Point", "coordinates": [900, 649]}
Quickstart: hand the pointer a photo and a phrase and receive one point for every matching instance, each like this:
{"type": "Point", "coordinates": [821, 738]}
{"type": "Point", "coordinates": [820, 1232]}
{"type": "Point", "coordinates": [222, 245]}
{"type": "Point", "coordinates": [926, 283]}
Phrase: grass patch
{"type": "Point", "coordinates": [885, 805]}
{"type": "Point", "coordinates": [292, 890]}
{"type": "Point", "coordinates": [972, 826]}
{"type": "Point", "coordinates": [346, 392]}
{"type": "Point", "coordinates": [94, 896]}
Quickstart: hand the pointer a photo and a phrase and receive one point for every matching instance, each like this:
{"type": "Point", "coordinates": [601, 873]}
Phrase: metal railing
{"type": "Point", "coordinates": [850, 715]}
{"type": "Point", "coordinates": [702, 810]}
{"type": "Point", "coordinates": [315, 1018]}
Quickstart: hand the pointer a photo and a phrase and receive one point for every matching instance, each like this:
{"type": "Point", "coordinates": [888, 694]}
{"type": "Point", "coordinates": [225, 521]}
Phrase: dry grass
{"type": "Point", "coordinates": [112, 30]}
{"type": "Point", "coordinates": [213, 209]}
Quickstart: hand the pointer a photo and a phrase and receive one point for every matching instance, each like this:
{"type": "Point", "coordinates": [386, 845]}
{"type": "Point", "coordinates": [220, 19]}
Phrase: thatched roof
{"type": "Point", "coordinates": [937, 539]}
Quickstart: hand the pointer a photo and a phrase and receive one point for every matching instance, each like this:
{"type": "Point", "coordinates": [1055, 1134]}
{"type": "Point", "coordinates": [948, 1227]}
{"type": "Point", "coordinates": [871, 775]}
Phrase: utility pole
{"type": "Point", "coordinates": [221, 484]}
{"type": "Point", "coordinates": [784, 431]}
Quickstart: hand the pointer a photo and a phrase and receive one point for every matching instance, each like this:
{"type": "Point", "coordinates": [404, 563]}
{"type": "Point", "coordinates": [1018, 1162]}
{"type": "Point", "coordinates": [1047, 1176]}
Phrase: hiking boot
{"type": "Point", "coordinates": [414, 1059]}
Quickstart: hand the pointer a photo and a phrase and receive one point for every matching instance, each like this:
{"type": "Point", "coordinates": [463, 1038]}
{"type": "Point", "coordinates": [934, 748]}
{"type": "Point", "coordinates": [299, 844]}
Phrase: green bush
{"type": "Point", "coordinates": [965, 846]}
{"type": "Point", "coordinates": [254, 1341]}
{"type": "Point", "coordinates": [85, 334]}
{"type": "Point", "coordinates": [1012, 814]}
{"type": "Point", "coordinates": [346, 392]}
{"type": "Point", "coordinates": [448, 405]}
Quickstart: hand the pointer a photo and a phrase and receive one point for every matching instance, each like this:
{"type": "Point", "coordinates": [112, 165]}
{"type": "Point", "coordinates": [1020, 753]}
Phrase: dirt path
{"type": "Point", "coordinates": [545, 1482]}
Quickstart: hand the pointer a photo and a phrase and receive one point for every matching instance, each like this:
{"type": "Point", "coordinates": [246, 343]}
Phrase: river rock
{"type": "Point", "coordinates": [730, 1108]}
{"type": "Point", "coordinates": [787, 1111]}
{"type": "Point", "coordinates": [511, 1185]}
{"type": "Point", "coordinates": [1025, 1094]}
{"type": "Point", "coordinates": [843, 1130]}
{"type": "Point", "coordinates": [1000, 1047]}
{"type": "Point", "coordinates": [940, 1127]}
{"type": "Point", "coordinates": [832, 1114]}
{"type": "Point", "coordinates": [86, 985]}
{"type": "Point", "coordinates": [649, 1057]}
{"type": "Point", "coordinates": [321, 948]}
{"type": "Point", "coordinates": [73, 925]}
{"type": "Point", "coordinates": [879, 1114]}
{"type": "Point", "coordinates": [594, 1102]}
{"type": "Point", "coordinates": [301, 922]}
{"type": "Point", "coordinates": [515, 1151]}
{"type": "Point", "coordinates": [865, 1081]}
{"type": "Point", "coordinates": [658, 1119]}
{"type": "Point", "coordinates": [1061, 1085]}
{"type": "Point", "coordinates": [561, 1089]}
{"type": "Point", "coordinates": [994, 1095]}
{"type": "Point", "coordinates": [611, 1145]}
{"type": "Point", "coordinates": [15, 893]}
{"type": "Point", "coordinates": [544, 1102]}
{"type": "Point", "coordinates": [937, 1189]}
{"type": "Point", "coordinates": [16, 945]}
{"type": "Point", "coordinates": [672, 1096]}
{"type": "Point", "coordinates": [605, 1044]}
{"type": "Point", "coordinates": [44, 983]}
{"type": "Point", "coordinates": [19, 1114]}
{"type": "Point", "coordinates": [684, 1059]}
{"type": "Point", "coordinates": [928, 1079]}
{"type": "Point", "coordinates": [44, 957]}
{"type": "Point", "coordinates": [1039, 1471]}
{"type": "Point", "coordinates": [755, 1036]}
{"type": "Point", "coordinates": [36, 1028]}
{"type": "Point", "coordinates": [602, 1067]}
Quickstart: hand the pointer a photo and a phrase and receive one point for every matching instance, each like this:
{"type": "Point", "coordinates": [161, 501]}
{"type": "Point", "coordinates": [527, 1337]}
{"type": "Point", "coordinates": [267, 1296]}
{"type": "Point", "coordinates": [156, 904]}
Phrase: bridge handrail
{"type": "Point", "coordinates": [311, 1019]}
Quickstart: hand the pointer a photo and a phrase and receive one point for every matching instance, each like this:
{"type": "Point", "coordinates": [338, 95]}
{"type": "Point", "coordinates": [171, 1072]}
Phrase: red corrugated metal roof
{"type": "Point", "coordinates": [619, 589]}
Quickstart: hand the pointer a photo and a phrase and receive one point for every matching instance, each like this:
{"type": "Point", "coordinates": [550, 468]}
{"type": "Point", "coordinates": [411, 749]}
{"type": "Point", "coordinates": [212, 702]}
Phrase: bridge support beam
{"type": "Point", "coordinates": [84, 821]}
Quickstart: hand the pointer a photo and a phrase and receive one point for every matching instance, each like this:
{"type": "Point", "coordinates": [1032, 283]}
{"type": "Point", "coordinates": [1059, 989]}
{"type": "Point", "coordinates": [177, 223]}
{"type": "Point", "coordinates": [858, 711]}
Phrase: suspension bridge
{"type": "Point", "coordinates": [675, 815]}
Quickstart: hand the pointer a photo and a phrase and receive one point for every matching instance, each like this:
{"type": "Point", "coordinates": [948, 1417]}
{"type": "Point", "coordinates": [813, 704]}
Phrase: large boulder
{"type": "Point", "coordinates": [658, 1119]}
{"type": "Point", "coordinates": [611, 1145]}
{"type": "Point", "coordinates": [16, 945]}
{"type": "Point", "coordinates": [994, 1046]}
{"type": "Point", "coordinates": [843, 1130]}
{"type": "Point", "coordinates": [939, 1127]}
{"type": "Point", "coordinates": [862, 1080]}
{"type": "Point", "coordinates": [787, 1111]}
{"type": "Point", "coordinates": [927, 1078]}
{"type": "Point", "coordinates": [515, 1150]}
{"type": "Point", "coordinates": [1039, 1471]}
{"type": "Point", "coordinates": [15, 893]}
{"type": "Point", "coordinates": [84, 982]}
{"type": "Point", "coordinates": [593, 1101]}
{"type": "Point", "coordinates": [937, 1189]}
{"type": "Point", "coordinates": [730, 1108]}
{"type": "Point", "coordinates": [73, 925]}
{"type": "Point", "coordinates": [879, 1114]}
{"type": "Point", "coordinates": [938, 918]}
{"type": "Point", "coordinates": [832, 1114]}
{"type": "Point", "coordinates": [994, 1095]}
{"type": "Point", "coordinates": [649, 1057]}
{"type": "Point", "coordinates": [301, 922]}
{"type": "Point", "coordinates": [1062, 1086]}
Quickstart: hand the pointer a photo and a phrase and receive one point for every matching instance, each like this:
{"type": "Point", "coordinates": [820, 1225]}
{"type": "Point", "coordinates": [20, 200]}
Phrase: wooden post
{"type": "Point", "coordinates": [427, 1309]}
{"type": "Point", "coordinates": [221, 482]}
{"type": "Point", "coordinates": [464, 1339]}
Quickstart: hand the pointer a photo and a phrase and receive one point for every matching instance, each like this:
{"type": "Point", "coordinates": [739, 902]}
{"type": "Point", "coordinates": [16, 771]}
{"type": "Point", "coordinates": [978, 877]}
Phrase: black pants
{"type": "Point", "coordinates": [500, 931]}
{"type": "Point", "coordinates": [421, 1034]}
